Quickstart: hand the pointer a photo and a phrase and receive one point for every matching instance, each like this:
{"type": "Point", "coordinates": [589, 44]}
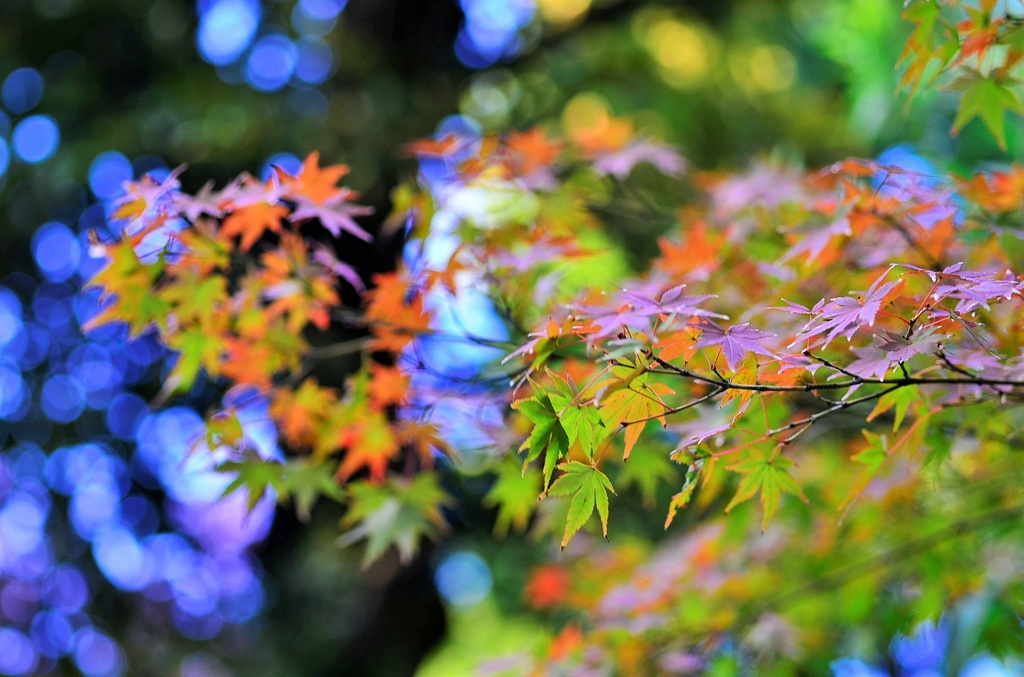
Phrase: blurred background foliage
{"type": "Point", "coordinates": [115, 556]}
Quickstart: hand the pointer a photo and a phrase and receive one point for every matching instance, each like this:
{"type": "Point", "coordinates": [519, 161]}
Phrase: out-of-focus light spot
{"type": "Point", "coordinates": [140, 515]}
{"type": "Point", "coordinates": [17, 655]}
{"type": "Point", "coordinates": [851, 667]}
{"type": "Point", "coordinates": [107, 174]}
{"type": "Point", "coordinates": [22, 90]}
{"type": "Point", "coordinates": [314, 62]}
{"type": "Point", "coordinates": [987, 666]}
{"type": "Point", "coordinates": [463, 579]}
{"type": "Point", "coordinates": [22, 521]}
{"type": "Point", "coordinates": [96, 654]}
{"type": "Point", "coordinates": [562, 12]}
{"type": "Point", "coordinates": [308, 25]}
{"type": "Point", "coordinates": [492, 30]}
{"type": "Point", "coordinates": [62, 398]}
{"type": "Point", "coordinates": [10, 315]}
{"type": "Point", "coordinates": [53, 634]}
{"type": "Point", "coordinates": [924, 650]}
{"type": "Point", "coordinates": [13, 395]}
{"type": "Point", "coordinates": [67, 591]}
{"type": "Point", "coordinates": [226, 28]}
{"type": "Point", "coordinates": [308, 102]}
{"type": "Point", "coordinates": [124, 415]}
{"type": "Point", "coordinates": [323, 10]}
{"type": "Point", "coordinates": [121, 559]}
{"type": "Point", "coordinates": [585, 111]}
{"type": "Point", "coordinates": [5, 156]}
{"type": "Point", "coordinates": [286, 161]}
{"type": "Point", "coordinates": [271, 63]}
{"type": "Point", "coordinates": [35, 138]}
{"type": "Point", "coordinates": [683, 52]}
{"type": "Point", "coordinates": [772, 68]}
{"type": "Point", "coordinates": [93, 508]}
{"type": "Point", "coordinates": [56, 251]}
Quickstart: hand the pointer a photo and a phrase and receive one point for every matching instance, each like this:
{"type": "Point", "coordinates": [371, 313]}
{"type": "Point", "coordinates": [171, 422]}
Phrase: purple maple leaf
{"type": "Point", "coordinates": [736, 341]}
{"type": "Point", "coordinates": [844, 315]}
{"type": "Point", "coordinates": [335, 214]}
{"type": "Point", "coordinates": [204, 202]}
{"type": "Point", "coordinates": [630, 309]}
{"type": "Point", "coordinates": [871, 362]}
{"type": "Point", "coordinates": [902, 348]}
{"type": "Point", "coordinates": [621, 162]}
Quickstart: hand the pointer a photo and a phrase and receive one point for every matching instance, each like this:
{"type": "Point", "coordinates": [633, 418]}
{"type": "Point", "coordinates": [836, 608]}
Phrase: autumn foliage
{"type": "Point", "coordinates": [825, 366]}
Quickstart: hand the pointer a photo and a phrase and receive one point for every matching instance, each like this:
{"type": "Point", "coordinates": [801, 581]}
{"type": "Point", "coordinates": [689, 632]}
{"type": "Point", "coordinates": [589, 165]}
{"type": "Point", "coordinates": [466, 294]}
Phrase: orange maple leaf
{"type": "Point", "coordinates": [533, 150]}
{"type": "Point", "coordinates": [697, 256]}
{"type": "Point", "coordinates": [316, 183]}
{"type": "Point", "coordinates": [300, 413]}
{"type": "Point", "coordinates": [369, 443]}
{"type": "Point", "coordinates": [422, 438]}
{"type": "Point", "coordinates": [432, 147]}
{"type": "Point", "coordinates": [252, 221]}
{"type": "Point", "coordinates": [388, 385]}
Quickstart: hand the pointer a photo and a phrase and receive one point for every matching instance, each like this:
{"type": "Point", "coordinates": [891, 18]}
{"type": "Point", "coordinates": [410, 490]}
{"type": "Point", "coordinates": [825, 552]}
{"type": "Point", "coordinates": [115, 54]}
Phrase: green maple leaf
{"type": "Point", "coordinates": [647, 468]}
{"type": "Point", "coordinates": [988, 100]}
{"type": "Point", "coordinates": [588, 488]}
{"type": "Point", "coordinates": [768, 475]}
{"type": "Point", "coordinates": [196, 349]}
{"type": "Point", "coordinates": [580, 421]}
{"type": "Point", "coordinates": [306, 480]}
{"type": "Point", "coordinates": [872, 457]}
{"type": "Point", "coordinates": [514, 493]}
{"type": "Point", "coordinates": [398, 513]}
{"type": "Point", "coordinates": [256, 476]}
{"type": "Point", "coordinates": [548, 436]}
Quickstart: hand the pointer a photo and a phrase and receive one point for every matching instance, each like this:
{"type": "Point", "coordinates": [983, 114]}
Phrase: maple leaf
{"type": "Point", "coordinates": [872, 456]}
{"type": "Point", "coordinates": [514, 493]}
{"type": "Point", "coordinates": [256, 475]}
{"type": "Point", "coordinates": [632, 407]}
{"type": "Point", "coordinates": [438, 148]}
{"type": "Point", "coordinates": [619, 163]}
{"type": "Point", "coordinates": [369, 443]}
{"type": "Point", "coordinates": [845, 315]}
{"type": "Point", "coordinates": [647, 468]}
{"type": "Point", "coordinates": [145, 194]}
{"type": "Point", "coordinates": [679, 343]}
{"type": "Point", "coordinates": [582, 422]}
{"type": "Point", "coordinates": [398, 513]}
{"type": "Point", "coordinates": [548, 437]}
{"type": "Point", "coordinates": [588, 488]}
{"type": "Point", "coordinates": [768, 475]}
{"type": "Point", "coordinates": [336, 214]}
{"type": "Point", "coordinates": [988, 100]}
{"type": "Point", "coordinates": [736, 342]}
{"type": "Point", "coordinates": [639, 310]}
{"type": "Point", "coordinates": [305, 480]}
{"type": "Point", "coordinates": [252, 221]}
{"type": "Point", "coordinates": [388, 385]}
{"type": "Point", "coordinates": [532, 151]}
{"type": "Point", "coordinates": [317, 184]}
{"type": "Point", "coordinates": [300, 412]}
{"type": "Point", "coordinates": [204, 203]}
{"type": "Point", "coordinates": [697, 256]}
{"type": "Point", "coordinates": [424, 438]}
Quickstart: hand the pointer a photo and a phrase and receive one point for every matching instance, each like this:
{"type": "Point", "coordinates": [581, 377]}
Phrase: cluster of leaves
{"type": "Point", "coordinates": [809, 340]}
{"type": "Point", "coordinates": [979, 45]}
